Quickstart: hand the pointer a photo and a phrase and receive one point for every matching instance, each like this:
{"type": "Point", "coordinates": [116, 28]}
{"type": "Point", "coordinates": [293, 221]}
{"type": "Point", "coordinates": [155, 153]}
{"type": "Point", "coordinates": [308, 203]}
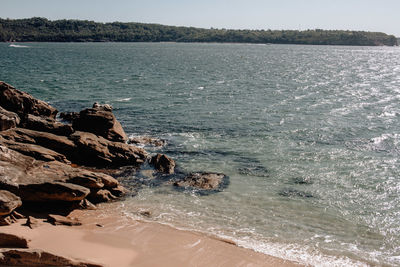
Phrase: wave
{"type": "Point", "coordinates": [18, 46]}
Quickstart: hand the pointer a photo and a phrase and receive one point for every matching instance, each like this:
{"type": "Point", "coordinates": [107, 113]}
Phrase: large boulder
{"type": "Point", "coordinates": [163, 163]}
{"type": "Point", "coordinates": [8, 119]}
{"type": "Point", "coordinates": [23, 103]}
{"type": "Point", "coordinates": [97, 151]}
{"type": "Point", "coordinates": [8, 202]}
{"type": "Point", "coordinates": [100, 121]}
{"type": "Point", "coordinates": [46, 124]}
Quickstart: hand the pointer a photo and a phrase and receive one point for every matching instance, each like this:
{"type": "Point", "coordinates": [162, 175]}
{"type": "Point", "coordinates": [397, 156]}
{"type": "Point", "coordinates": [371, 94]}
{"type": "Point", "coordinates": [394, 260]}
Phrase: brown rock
{"type": "Point", "coordinates": [46, 124]}
{"type": "Point", "coordinates": [8, 119]}
{"type": "Point", "coordinates": [163, 163]}
{"type": "Point", "coordinates": [47, 181]}
{"type": "Point", "coordinates": [97, 151]}
{"type": "Point", "coordinates": [32, 222]}
{"type": "Point", "coordinates": [23, 103]}
{"type": "Point", "coordinates": [36, 258]}
{"type": "Point", "coordinates": [204, 181]}
{"type": "Point", "coordinates": [101, 195]}
{"type": "Point", "coordinates": [62, 220]}
{"type": "Point", "coordinates": [6, 220]}
{"type": "Point", "coordinates": [12, 241]}
{"type": "Point", "coordinates": [60, 144]}
{"type": "Point", "coordinates": [8, 202]}
{"type": "Point", "coordinates": [52, 191]}
{"type": "Point", "coordinates": [35, 151]}
{"type": "Point", "coordinates": [118, 191]}
{"type": "Point", "coordinates": [100, 121]}
{"type": "Point", "coordinates": [85, 204]}
{"type": "Point", "coordinates": [69, 116]}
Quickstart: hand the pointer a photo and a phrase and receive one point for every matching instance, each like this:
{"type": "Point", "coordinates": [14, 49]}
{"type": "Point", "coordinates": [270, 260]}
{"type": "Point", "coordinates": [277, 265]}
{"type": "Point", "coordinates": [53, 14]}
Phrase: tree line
{"type": "Point", "coordinates": [44, 30]}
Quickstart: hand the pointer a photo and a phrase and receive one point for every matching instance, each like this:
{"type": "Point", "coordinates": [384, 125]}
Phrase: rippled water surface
{"type": "Point", "coordinates": [309, 136]}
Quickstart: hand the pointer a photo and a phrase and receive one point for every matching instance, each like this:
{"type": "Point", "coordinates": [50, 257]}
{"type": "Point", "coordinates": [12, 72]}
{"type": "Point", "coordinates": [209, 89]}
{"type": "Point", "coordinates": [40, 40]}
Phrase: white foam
{"type": "Point", "coordinates": [124, 99]}
{"type": "Point", "coordinates": [18, 46]}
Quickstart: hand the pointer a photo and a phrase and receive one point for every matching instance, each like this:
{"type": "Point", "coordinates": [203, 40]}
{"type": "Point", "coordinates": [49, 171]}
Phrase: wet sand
{"type": "Point", "coordinates": [110, 238]}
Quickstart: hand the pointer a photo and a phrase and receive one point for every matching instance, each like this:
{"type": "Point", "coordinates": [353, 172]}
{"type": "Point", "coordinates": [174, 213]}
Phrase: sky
{"type": "Point", "coordinates": [367, 15]}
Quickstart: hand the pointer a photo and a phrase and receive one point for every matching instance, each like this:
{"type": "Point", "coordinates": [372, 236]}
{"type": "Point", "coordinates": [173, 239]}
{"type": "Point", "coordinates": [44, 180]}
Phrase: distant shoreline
{"type": "Point", "coordinates": [44, 30]}
{"type": "Point", "coordinates": [172, 42]}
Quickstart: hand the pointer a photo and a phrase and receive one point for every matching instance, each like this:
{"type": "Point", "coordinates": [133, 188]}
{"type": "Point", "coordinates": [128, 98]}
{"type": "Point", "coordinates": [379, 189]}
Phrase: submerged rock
{"type": "Point", "coordinates": [100, 121]}
{"type": "Point", "coordinates": [290, 192]}
{"type": "Point", "coordinates": [205, 181]}
{"type": "Point", "coordinates": [23, 103]}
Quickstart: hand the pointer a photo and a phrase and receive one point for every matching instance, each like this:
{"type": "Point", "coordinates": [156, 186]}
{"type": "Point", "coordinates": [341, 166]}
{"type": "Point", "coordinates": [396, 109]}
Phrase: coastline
{"type": "Point", "coordinates": [110, 238]}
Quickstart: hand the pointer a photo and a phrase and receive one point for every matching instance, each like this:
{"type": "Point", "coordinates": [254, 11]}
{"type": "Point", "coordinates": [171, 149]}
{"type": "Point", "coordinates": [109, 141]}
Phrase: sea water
{"type": "Point", "coordinates": [309, 136]}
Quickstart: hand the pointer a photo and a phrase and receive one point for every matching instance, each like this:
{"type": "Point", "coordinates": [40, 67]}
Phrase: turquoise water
{"type": "Point", "coordinates": [309, 135]}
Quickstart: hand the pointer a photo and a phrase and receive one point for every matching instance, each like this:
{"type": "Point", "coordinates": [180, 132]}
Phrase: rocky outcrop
{"type": "Point", "coordinates": [8, 202]}
{"type": "Point", "coordinates": [100, 121]}
{"type": "Point", "coordinates": [35, 151]}
{"type": "Point", "coordinates": [203, 181]}
{"type": "Point", "coordinates": [163, 163]}
{"type": "Point", "coordinates": [42, 181]}
{"type": "Point", "coordinates": [23, 103]}
{"type": "Point", "coordinates": [37, 257]}
{"type": "Point", "coordinates": [60, 144]}
{"type": "Point", "coordinates": [46, 124]}
{"type": "Point", "coordinates": [81, 147]}
{"type": "Point", "coordinates": [12, 241]}
{"type": "Point", "coordinates": [8, 119]}
{"type": "Point", "coordinates": [95, 150]}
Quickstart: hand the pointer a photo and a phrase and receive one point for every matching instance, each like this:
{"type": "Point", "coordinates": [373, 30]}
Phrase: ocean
{"type": "Point", "coordinates": [308, 135]}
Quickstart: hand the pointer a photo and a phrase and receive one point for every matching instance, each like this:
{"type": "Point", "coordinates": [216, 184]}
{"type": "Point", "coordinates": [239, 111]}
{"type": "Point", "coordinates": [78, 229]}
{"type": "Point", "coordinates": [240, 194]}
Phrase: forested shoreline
{"type": "Point", "coordinates": [44, 30]}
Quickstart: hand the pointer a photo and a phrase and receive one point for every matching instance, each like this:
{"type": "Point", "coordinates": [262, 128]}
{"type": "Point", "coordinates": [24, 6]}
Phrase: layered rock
{"type": "Point", "coordinates": [80, 147]}
{"type": "Point", "coordinates": [8, 119]}
{"type": "Point", "coordinates": [42, 181]}
{"type": "Point", "coordinates": [95, 150]}
{"type": "Point", "coordinates": [100, 121]}
{"type": "Point", "coordinates": [8, 202]}
{"type": "Point", "coordinates": [46, 124]}
{"type": "Point", "coordinates": [60, 144]}
{"type": "Point", "coordinates": [23, 103]}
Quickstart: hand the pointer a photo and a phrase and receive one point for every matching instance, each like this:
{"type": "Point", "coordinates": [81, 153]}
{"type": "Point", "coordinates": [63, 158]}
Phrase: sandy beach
{"type": "Point", "coordinates": [109, 238]}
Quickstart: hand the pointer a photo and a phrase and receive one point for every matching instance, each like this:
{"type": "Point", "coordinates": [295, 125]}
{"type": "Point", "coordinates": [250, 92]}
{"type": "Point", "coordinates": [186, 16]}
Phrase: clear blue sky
{"type": "Point", "coordinates": [369, 15]}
